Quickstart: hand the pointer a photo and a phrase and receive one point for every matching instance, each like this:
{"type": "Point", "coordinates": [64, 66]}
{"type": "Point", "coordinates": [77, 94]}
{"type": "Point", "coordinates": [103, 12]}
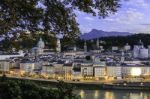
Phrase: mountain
{"type": "Point", "coordinates": [93, 34]}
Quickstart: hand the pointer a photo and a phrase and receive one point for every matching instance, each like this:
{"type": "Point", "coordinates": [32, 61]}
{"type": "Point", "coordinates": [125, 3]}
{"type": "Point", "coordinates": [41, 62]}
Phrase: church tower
{"type": "Point", "coordinates": [58, 48]}
{"type": "Point", "coordinates": [97, 43]}
{"type": "Point", "coordinates": [122, 56]}
{"type": "Point", "coordinates": [41, 44]}
{"type": "Point", "coordinates": [85, 46]}
{"type": "Point", "coordinates": [75, 48]}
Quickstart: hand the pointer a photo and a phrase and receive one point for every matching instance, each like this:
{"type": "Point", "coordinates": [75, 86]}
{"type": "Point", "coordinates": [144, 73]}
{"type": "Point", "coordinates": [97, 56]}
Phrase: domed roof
{"type": "Point", "coordinates": [41, 43]}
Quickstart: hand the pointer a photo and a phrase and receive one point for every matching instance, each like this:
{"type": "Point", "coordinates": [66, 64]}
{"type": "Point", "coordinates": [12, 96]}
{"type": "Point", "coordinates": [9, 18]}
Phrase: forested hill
{"type": "Point", "coordinates": [120, 41]}
{"type": "Point", "coordinates": [131, 40]}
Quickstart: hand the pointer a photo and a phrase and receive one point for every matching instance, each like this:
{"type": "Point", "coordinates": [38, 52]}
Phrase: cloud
{"type": "Point", "coordinates": [85, 29]}
{"type": "Point", "coordinates": [138, 3]}
{"type": "Point", "coordinates": [89, 18]}
{"type": "Point", "coordinates": [129, 16]}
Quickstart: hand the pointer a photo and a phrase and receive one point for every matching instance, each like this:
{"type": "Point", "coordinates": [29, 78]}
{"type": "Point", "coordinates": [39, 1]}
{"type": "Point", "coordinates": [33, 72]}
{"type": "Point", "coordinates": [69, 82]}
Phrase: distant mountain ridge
{"type": "Point", "coordinates": [94, 33]}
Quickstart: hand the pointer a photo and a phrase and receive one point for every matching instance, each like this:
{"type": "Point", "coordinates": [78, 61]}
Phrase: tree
{"type": "Point", "coordinates": [88, 58]}
{"type": "Point", "coordinates": [16, 89]}
{"type": "Point", "coordinates": [10, 90]}
{"type": "Point", "coordinates": [51, 16]}
{"type": "Point", "coordinates": [18, 15]}
{"type": "Point", "coordinates": [65, 91]}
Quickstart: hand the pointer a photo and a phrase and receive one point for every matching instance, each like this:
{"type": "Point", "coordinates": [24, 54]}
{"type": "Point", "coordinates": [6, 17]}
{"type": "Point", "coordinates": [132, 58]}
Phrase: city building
{"type": "Point", "coordinates": [99, 71]}
{"type": "Point", "coordinates": [4, 56]}
{"type": "Point", "coordinates": [76, 72]}
{"type": "Point", "coordinates": [4, 65]}
{"type": "Point", "coordinates": [127, 47]}
{"type": "Point", "coordinates": [135, 70]}
{"type": "Point", "coordinates": [139, 51]}
{"type": "Point", "coordinates": [58, 48]}
{"type": "Point", "coordinates": [39, 48]}
{"type": "Point", "coordinates": [48, 70]}
{"type": "Point", "coordinates": [87, 70]}
{"type": "Point", "coordinates": [28, 67]}
{"type": "Point", "coordinates": [67, 68]}
{"type": "Point", "coordinates": [85, 46]}
{"type": "Point", "coordinates": [114, 71]}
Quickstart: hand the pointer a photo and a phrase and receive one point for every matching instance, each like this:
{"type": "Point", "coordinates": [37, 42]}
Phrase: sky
{"type": "Point", "coordinates": [133, 17]}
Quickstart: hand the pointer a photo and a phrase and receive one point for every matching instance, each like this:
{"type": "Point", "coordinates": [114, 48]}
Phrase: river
{"type": "Point", "coordinates": [113, 94]}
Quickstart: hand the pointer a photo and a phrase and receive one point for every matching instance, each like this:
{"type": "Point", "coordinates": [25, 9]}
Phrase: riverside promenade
{"type": "Point", "coordinates": [145, 85]}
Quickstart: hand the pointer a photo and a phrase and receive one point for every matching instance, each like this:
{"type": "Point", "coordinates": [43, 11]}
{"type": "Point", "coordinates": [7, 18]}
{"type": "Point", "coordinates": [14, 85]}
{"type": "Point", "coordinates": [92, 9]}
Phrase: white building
{"type": "Point", "coordinates": [127, 47]}
{"type": "Point", "coordinates": [140, 52]}
{"type": "Point", "coordinates": [76, 75]}
{"type": "Point", "coordinates": [149, 51]}
{"type": "Point", "coordinates": [67, 68]}
{"type": "Point", "coordinates": [115, 48]}
{"type": "Point", "coordinates": [58, 48]}
{"type": "Point", "coordinates": [114, 71]}
{"type": "Point", "coordinates": [85, 46]}
{"type": "Point", "coordinates": [39, 48]}
{"type": "Point", "coordinates": [87, 70]}
{"type": "Point", "coordinates": [99, 71]}
{"type": "Point", "coordinates": [4, 65]}
{"type": "Point", "coordinates": [97, 43]}
{"type": "Point", "coordinates": [41, 44]}
{"type": "Point", "coordinates": [58, 69]}
{"type": "Point", "coordinates": [75, 48]}
{"type": "Point", "coordinates": [12, 55]}
{"type": "Point", "coordinates": [48, 69]}
{"type": "Point", "coordinates": [132, 70]}
{"type": "Point", "coordinates": [136, 51]}
{"type": "Point", "coordinates": [143, 53]}
{"type": "Point", "coordinates": [28, 67]}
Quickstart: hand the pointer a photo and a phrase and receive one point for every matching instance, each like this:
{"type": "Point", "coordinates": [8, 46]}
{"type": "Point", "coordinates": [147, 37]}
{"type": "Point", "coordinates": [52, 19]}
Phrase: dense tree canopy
{"type": "Point", "coordinates": [22, 89]}
{"type": "Point", "coordinates": [119, 41]}
{"type": "Point", "coordinates": [51, 16]}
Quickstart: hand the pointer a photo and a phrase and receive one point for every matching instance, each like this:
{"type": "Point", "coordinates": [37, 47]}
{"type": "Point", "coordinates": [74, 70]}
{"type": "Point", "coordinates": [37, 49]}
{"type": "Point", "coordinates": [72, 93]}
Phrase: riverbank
{"type": "Point", "coordinates": [91, 85]}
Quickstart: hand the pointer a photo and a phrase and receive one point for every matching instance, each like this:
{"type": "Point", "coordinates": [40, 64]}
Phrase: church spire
{"type": "Point", "coordinates": [97, 43]}
{"type": "Point", "coordinates": [58, 48]}
{"type": "Point", "coordinates": [85, 46]}
{"type": "Point", "coordinates": [41, 43]}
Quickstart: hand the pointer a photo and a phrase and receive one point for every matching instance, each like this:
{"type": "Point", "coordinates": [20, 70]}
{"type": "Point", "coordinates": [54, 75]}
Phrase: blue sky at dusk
{"type": "Point", "coordinates": [133, 16]}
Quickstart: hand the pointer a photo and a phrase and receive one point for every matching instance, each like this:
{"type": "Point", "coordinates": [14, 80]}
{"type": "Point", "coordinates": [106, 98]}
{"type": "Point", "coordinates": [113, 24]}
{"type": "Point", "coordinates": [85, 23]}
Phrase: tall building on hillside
{"type": "Point", "coordinates": [39, 48]}
{"type": "Point", "coordinates": [149, 51]}
{"type": "Point", "coordinates": [122, 57]}
{"type": "Point", "coordinates": [41, 44]}
{"type": "Point", "coordinates": [139, 51]}
{"type": "Point", "coordinates": [97, 43]}
{"type": "Point", "coordinates": [75, 48]}
{"type": "Point", "coordinates": [58, 48]}
{"type": "Point", "coordinates": [127, 47]}
{"type": "Point", "coordinates": [85, 46]}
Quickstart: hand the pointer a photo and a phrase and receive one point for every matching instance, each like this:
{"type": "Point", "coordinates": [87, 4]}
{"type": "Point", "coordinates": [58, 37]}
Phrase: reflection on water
{"type": "Point", "coordinates": [82, 94]}
{"type": "Point", "coordinates": [109, 95]}
{"type": "Point", "coordinates": [96, 94]}
{"type": "Point", "coordinates": [105, 94]}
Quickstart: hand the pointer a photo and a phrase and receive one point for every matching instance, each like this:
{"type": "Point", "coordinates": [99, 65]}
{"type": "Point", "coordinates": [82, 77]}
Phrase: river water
{"type": "Point", "coordinates": [113, 94]}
